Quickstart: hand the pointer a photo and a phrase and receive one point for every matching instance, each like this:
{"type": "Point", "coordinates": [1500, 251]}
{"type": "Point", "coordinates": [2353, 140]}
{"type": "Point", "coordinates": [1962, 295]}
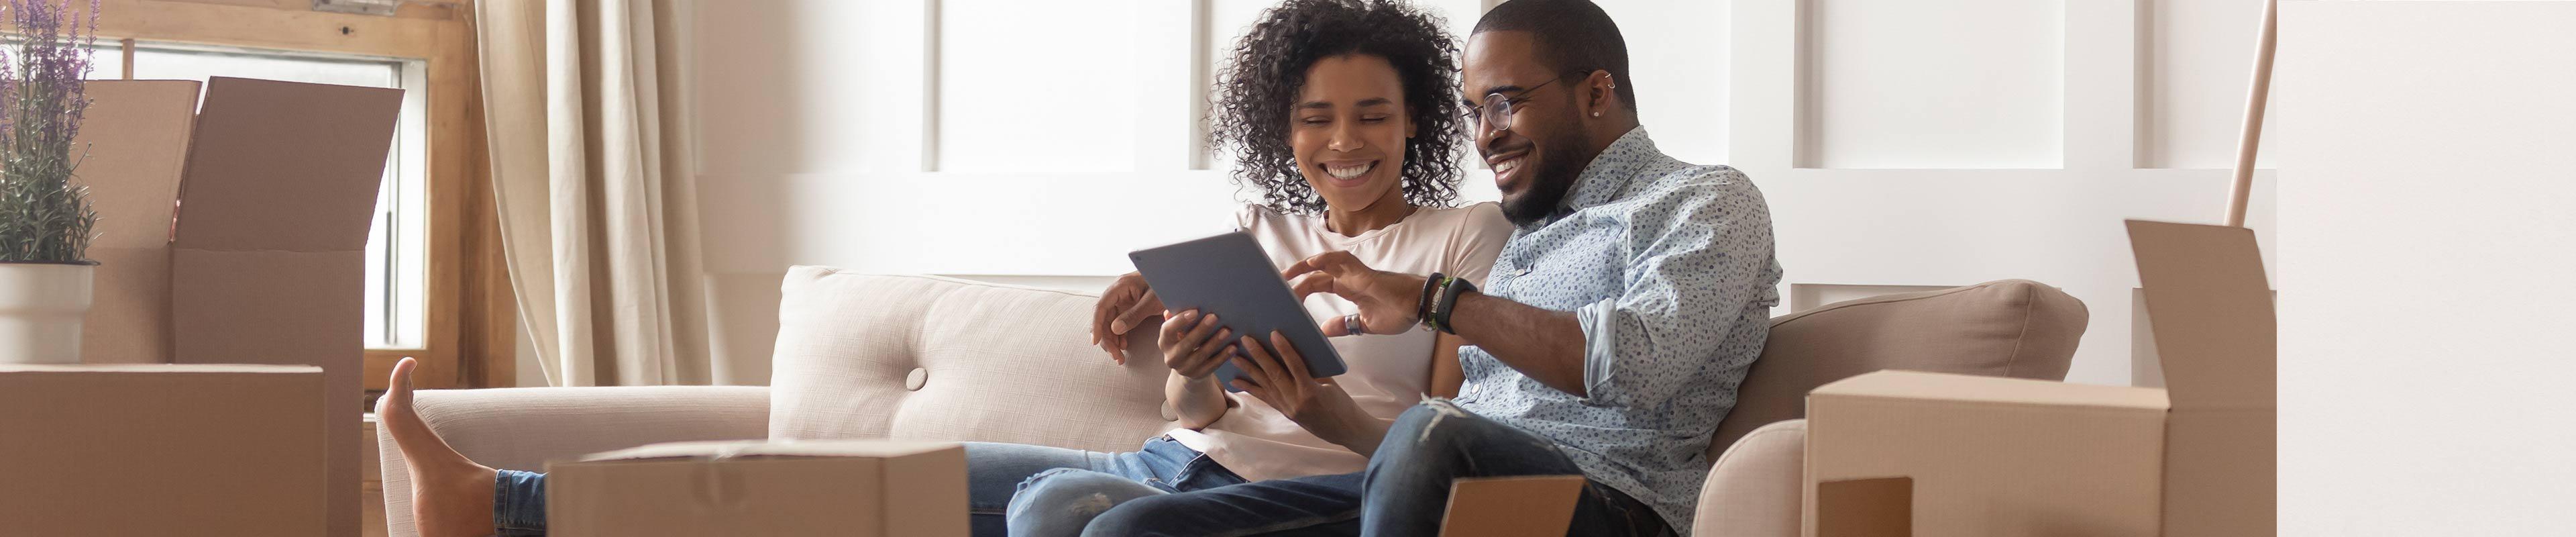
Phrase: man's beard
{"type": "Point", "coordinates": [1551, 180]}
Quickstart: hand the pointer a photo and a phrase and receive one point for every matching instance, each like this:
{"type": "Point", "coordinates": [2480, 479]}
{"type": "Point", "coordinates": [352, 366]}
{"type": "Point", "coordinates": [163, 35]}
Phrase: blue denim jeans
{"type": "Point", "coordinates": [1033, 490]}
{"type": "Point", "coordinates": [519, 503]}
{"type": "Point", "coordinates": [1045, 491]}
{"type": "Point", "coordinates": [1404, 492]}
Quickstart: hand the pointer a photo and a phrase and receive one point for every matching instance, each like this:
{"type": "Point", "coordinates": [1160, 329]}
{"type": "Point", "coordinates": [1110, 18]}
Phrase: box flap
{"type": "Point", "coordinates": [136, 136]}
{"type": "Point", "coordinates": [1879, 507]}
{"type": "Point", "coordinates": [136, 133]}
{"type": "Point", "coordinates": [1519, 506]}
{"type": "Point", "coordinates": [159, 368]}
{"type": "Point", "coordinates": [725, 449]}
{"type": "Point", "coordinates": [285, 165]}
{"type": "Point", "coordinates": [2211, 313]}
{"type": "Point", "coordinates": [1897, 384]}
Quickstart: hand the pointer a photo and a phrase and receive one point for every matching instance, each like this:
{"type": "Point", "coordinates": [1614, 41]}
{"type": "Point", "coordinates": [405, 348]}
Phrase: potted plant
{"type": "Point", "coordinates": [45, 216]}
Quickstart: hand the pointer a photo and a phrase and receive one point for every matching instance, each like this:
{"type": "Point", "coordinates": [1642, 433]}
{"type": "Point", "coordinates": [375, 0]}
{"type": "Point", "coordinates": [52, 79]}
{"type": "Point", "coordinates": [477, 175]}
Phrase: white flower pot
{"type": "Point", "coordinates": [41, 306]}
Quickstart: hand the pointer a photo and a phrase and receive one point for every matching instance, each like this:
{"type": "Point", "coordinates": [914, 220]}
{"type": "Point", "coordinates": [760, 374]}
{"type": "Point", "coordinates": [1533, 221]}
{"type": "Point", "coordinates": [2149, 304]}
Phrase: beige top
{"type": "Point", "coordinates": [1388, 373]}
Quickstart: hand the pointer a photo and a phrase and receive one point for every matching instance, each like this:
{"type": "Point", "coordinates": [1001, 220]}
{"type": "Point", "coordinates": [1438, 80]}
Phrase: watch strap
{"type": "Point", "coordinates": [1430, 295]}
{"type": "Point", "coordinates": [1450, 288]}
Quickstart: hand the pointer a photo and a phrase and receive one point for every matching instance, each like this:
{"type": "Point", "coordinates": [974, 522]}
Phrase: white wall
{"type": "Point", "coordinates": [2429, 217]}
{"type": "Point", "coordinates": [1900, 142]}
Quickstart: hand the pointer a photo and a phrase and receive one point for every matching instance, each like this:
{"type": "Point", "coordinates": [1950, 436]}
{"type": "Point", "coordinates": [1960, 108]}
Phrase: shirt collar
{"type": "Point", "coordinates": [1611, 171]}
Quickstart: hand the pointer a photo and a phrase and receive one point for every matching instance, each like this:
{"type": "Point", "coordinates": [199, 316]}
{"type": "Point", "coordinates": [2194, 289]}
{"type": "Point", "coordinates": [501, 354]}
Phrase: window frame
{"type": "Point", "coordinates": [469, 333]}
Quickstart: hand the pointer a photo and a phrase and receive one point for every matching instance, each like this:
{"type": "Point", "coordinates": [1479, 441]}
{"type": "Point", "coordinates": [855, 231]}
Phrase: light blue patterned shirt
{"type": "Point", "coordinates": [1669, 268]}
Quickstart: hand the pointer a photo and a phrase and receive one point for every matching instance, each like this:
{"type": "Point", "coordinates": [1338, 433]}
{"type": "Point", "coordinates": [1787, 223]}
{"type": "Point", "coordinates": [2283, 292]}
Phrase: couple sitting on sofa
{"type": "Point", "coordinates": [1624, 296]}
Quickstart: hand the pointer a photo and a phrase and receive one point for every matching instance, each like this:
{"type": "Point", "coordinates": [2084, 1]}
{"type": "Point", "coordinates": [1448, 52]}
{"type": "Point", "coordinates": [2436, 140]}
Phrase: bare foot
{"type": "Point", "coordinates": [450, 495]}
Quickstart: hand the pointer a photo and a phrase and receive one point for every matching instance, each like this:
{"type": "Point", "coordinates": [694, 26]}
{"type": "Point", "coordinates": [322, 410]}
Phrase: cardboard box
{"type": "Point", "coordinates": [218, 450]}
{"type": "Point", "coordinates": [860, 488]}
{"type": "Point", "coordinates": [1519, 506]}
{"type": "Point", "coordinates": [1881, 507]}
{"type": "Point", "coordinates": [2008, 457]}
{"type": "Point", "coordinates": [242, 242]}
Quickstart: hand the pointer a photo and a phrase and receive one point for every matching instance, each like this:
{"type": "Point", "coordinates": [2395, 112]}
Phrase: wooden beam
{"type": "Point", "coordinates": [183, 21]}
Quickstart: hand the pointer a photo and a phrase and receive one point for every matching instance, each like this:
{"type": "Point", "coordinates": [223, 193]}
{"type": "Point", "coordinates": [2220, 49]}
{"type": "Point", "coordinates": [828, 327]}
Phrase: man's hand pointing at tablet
{"type": "Point", "coordinates": [1389, 302]}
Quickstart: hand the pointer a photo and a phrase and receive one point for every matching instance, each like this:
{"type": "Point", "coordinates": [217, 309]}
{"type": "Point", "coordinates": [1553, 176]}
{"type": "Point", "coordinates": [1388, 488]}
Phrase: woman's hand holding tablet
{"type": "Point", "coordinates": [1195, 344]}
{"type": "Point", "coordinates": [1230, 280]}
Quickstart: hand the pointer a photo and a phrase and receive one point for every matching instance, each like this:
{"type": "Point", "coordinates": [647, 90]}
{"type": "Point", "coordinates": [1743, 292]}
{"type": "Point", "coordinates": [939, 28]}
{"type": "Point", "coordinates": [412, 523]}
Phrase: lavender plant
{"type": "Point", "coordinates": [45, 215]}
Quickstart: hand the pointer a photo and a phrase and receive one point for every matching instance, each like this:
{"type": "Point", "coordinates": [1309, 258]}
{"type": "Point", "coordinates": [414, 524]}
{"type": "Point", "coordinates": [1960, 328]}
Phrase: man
{"type": "Point", "coordinates": [1609, 342]}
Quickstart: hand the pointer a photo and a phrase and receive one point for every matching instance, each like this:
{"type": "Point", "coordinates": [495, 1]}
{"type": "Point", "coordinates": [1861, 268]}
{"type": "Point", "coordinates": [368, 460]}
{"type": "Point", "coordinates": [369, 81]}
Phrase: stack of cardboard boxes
{"type": "Point", "coordinates": [230, 232]}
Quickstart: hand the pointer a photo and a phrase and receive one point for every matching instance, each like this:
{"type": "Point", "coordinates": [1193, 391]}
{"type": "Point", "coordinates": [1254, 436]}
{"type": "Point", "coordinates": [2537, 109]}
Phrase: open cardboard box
{"type": "Point", "coordinates": [2013, 457]}
{"type": "Point", "coordinates": [884, 488]}
{"type": "Point", "coordinates": [859, 488]}
{"type": "Point", "coordinates": [265, 264]}
{"type": "Point", "coordinates": [160, 449]}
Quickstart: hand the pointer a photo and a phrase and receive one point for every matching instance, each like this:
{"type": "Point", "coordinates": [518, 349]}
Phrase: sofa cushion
{"type": "Point", "coordinates": [2006, 328]}
{"type": "Point", "coordinates": [929, 358]}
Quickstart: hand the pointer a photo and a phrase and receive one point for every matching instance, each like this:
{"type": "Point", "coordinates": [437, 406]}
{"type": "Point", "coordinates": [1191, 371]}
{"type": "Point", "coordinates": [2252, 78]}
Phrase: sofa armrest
{"type": "Point", "coordinates": [522, 428]}
{"type": "Point", "coordinates": [1755, 487]}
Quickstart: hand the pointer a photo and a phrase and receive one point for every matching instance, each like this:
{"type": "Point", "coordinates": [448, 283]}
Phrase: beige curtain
{"type": "Point", "coordinates": [590, 162]}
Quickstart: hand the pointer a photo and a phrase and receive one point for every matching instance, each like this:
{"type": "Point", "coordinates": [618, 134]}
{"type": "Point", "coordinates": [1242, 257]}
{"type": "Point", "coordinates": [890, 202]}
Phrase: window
{"type": "Point", "coordinates": [397, 259]}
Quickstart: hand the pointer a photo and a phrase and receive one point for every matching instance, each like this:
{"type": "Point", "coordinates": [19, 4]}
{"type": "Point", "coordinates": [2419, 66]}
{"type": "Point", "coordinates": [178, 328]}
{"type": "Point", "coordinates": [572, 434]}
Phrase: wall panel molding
{"type": "Point", "coordinates": [2057, 224]}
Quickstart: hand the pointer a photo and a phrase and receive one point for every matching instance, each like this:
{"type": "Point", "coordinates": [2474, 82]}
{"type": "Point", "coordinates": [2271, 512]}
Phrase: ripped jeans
{"type": "Point", "coordinates": [1034, 490]}
{"type": "Point", "coordinates": [1048, 491]}
{"type": "Point", "coordinates": [1404, 492]}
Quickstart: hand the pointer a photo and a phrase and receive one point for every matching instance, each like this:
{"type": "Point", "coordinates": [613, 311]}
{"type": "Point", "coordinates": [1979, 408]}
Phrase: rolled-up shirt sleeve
{"type": "Point", "coordinates": [1695, 255]}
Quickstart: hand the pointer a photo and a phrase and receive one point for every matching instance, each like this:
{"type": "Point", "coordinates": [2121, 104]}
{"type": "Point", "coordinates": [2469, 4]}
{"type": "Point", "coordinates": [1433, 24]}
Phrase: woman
{"type": "Point", "coordinates": [1342, 114]}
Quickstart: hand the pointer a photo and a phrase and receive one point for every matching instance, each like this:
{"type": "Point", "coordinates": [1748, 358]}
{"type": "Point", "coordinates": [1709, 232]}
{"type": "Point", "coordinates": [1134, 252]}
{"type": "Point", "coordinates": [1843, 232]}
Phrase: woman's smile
{"type": "Point", "coordinates": [1349, 173]}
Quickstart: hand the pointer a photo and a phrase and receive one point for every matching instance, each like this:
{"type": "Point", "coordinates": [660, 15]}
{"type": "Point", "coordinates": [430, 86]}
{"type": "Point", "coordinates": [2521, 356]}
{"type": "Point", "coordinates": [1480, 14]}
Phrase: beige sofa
{"type": "Point", "coordinates": [917, 357]}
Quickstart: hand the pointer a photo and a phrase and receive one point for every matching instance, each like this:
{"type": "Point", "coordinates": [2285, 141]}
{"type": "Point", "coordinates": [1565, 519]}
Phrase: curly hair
{"type": "Point", "coordinates": [1268, 70]}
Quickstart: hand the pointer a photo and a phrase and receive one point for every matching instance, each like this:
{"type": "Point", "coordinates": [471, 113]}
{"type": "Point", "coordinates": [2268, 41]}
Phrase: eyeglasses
{"type": "Point", "coordinates": [1498, 108]}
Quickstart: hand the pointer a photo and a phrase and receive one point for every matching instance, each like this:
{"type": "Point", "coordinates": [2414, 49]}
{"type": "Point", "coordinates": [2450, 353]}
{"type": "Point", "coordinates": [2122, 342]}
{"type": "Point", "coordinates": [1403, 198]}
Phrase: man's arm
{"type": "Point", "coordinates": [1546, 345]}
{"type": "Point", "coordinates": [1698, 263]}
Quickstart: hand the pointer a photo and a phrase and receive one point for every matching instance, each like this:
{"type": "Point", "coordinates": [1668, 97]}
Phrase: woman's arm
{"type": "Point", "coordinates": [1196, 402]}
{"type": "Point", "coordinates": [1446, 375]}
{"type": "Point", "coordinates": [1362, 436]}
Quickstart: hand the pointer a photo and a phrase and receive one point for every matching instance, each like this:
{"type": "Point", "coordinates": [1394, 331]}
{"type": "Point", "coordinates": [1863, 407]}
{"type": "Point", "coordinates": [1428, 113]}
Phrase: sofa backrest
{"type": "Point", "coordinates": [2005, 328]}
{"type": "Point", "coordinates": [929, 358]}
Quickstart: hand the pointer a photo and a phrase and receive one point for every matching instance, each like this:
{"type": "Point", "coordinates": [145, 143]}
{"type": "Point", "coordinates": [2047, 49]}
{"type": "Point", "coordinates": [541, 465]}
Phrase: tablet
{"type": "Point", "coordinates": [1228, 275]}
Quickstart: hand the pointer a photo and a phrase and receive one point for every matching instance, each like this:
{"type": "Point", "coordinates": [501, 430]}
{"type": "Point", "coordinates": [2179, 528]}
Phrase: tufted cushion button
{"type": "Point", "coordinates": [912, 381]}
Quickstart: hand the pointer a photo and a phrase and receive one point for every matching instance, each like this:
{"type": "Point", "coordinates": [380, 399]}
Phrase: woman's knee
{"type": "Point", "coordinates": [1064, 500]}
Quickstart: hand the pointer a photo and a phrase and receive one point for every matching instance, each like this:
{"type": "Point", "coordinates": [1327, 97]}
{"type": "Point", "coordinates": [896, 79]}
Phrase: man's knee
{"type": "Point", "coordinates": [1435, 422]}
{"type": "Point", "coordinates": [1148, 516]}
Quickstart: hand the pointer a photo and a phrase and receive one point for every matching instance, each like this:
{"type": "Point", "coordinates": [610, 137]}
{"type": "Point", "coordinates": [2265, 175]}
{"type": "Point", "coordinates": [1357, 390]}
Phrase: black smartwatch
{"type": "Point", "coordinates": [1450, 288]}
